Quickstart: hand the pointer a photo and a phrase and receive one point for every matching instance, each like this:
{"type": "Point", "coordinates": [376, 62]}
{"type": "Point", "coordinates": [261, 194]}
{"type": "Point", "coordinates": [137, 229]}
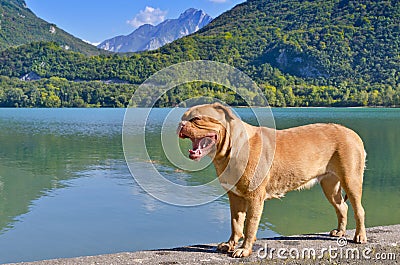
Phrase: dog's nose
{"type": "Point", "coordinates": [181, 124]}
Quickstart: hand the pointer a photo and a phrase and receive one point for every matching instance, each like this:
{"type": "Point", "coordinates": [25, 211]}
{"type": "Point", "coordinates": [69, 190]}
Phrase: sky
{"type": "Point", "coordinates": [97, 20]}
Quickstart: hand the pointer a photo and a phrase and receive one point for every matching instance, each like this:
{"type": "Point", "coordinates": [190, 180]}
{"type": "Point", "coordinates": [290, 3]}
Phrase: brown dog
{"type": "Point", "coordinates": [251, 172]}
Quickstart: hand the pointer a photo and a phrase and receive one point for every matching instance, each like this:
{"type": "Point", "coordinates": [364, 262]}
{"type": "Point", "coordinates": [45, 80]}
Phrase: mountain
{"type": "Point", "coordinates": [301, 53]}
{"type": "Point", "coordinates": [19, 25]}
{"type": "Point", "coordinates": [149, 37]}
{"type": "Point", "coordinates": [328, 40]}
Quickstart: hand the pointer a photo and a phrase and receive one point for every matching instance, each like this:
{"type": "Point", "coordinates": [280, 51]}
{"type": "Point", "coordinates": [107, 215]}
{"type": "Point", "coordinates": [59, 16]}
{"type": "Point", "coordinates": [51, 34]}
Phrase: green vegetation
{"type": "Point", "coordinates": [58, 92]}
{"type": "Point", "coordinates": [18, 25]}
{"type": "Point", "coordinates": [301, 53]}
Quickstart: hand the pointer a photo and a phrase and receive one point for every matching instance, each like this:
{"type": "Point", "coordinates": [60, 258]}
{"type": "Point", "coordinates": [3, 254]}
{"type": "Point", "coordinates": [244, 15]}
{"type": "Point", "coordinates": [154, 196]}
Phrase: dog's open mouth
{"type": "Point", "coordinates": [201, 146]}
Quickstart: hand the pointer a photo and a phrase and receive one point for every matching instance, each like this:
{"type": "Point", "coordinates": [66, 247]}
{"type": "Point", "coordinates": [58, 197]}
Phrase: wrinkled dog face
{"type": "Point", "coordinates": [204, 126]}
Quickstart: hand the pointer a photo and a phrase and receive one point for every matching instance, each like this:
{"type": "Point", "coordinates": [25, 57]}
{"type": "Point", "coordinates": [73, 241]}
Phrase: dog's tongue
{"type": "Point", "coordinates": [198, 145]}
{"type": "Point", "coordinates": [204, 142]}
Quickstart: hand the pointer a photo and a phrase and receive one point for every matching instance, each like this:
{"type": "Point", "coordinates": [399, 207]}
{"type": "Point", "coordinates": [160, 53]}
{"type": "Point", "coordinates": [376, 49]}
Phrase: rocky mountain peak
{"type": "Point", "coordinates": [148, 37]}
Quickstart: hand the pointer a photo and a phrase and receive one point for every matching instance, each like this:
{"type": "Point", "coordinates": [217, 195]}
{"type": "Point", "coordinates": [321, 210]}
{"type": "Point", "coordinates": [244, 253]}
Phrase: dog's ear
{"type": "Point", "coordinates": [227, 111]}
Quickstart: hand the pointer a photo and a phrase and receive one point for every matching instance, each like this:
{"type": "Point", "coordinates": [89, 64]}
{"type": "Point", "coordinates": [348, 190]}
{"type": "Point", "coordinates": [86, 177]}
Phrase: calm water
{"type": "Point", "coordinates": [65, 189]}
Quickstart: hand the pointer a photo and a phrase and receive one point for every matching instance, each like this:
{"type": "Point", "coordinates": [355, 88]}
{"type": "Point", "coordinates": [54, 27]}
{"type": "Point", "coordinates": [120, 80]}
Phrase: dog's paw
{"type": "Point", "coordinates": [241, 253]}
{"type": "Point", "coordinates": [337, 233]}
{"type": "Point", "coordinates": [360, 238]}
{"type": "Point", "coordinates": [226, 247]}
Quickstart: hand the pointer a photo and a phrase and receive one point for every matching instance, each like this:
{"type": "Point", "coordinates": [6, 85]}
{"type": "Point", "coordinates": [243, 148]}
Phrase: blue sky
{"type": "Point", "coordinates": [98, 20]}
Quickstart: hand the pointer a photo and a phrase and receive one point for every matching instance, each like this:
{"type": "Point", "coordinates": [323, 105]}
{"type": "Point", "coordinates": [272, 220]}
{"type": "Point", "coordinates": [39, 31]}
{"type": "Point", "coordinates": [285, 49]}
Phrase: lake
{"type": "Point", "coordinates": [66, 190]}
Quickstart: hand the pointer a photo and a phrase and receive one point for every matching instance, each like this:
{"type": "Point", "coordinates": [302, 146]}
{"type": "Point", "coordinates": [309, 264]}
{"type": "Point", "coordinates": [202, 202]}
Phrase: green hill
{"type": "Point", "coordinates": [302, 53]}
{"type": "Point", "coordinates": [333, 40]}
{"type": "Point", "coordinates": [19, 25]}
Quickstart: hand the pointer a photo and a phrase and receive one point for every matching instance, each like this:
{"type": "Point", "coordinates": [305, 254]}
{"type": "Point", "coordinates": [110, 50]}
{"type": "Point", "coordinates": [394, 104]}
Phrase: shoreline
{"type": "Point", "coordinates": [235, 107]}
{"type": "Point", "coordinates": [383, 247]}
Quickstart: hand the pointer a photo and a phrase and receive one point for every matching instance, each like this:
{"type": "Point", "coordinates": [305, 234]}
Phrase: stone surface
{"type": "Point", "coordinates": [383, 248]}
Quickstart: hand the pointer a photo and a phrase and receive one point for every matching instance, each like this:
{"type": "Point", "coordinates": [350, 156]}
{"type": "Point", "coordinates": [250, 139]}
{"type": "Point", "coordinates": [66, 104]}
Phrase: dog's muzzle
{"type": "Point", "coordinates": [180, 126]}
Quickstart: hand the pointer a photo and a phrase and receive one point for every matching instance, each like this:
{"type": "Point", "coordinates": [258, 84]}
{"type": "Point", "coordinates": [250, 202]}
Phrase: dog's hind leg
{"type": "Point", "coordinates": [331, 186]}
{"type": "Point", "coordinates": [238, 207]}
{"type": "Point", "coordinates": [353, 189]}
{"type": "Point", "coordinates": [352, 181]}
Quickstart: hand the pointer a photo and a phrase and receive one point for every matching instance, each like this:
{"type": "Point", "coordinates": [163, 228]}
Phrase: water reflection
{"type": "Point", "coordinates": [42, 148]}
{"type": "Point", "coordinates": [70, 194]}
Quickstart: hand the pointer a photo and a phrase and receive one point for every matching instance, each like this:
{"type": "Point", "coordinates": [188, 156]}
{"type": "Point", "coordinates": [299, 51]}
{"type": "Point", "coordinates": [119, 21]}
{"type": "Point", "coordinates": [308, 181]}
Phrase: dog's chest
{"type": "Point", "coordinates": [232, 188]}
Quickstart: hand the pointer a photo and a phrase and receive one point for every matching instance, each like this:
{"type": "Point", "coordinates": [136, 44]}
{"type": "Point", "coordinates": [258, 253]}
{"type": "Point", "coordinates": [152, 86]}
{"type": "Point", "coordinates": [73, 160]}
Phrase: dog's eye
{"type": "Point", "coordinates": [195, 119]}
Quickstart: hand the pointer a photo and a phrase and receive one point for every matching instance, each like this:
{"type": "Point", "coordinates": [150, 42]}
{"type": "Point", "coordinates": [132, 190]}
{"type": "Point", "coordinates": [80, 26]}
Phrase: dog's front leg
{"type": "Point", "coordinates": [238, 207]}
{"type": "Point", "coordinates": [254, 211]}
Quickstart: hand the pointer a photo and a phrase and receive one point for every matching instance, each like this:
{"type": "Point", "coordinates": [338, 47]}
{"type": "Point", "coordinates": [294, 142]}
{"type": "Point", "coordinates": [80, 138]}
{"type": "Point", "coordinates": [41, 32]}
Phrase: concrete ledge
{"type": "Point", "coordinates": [383, 248]}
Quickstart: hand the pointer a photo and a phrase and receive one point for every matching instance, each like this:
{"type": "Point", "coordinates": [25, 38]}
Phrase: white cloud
{"type": "Point", "coordinates": [149, 15]}
{"type": "Point", "coordinates": [218, 1]}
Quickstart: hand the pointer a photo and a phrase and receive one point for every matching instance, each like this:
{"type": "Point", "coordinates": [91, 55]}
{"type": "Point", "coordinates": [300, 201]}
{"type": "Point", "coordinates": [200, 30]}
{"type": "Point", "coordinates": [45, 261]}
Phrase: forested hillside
{"type": "Point", "coordinates": [301, 53]}
{"type": "Point", "coordinates": [19, 25]}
